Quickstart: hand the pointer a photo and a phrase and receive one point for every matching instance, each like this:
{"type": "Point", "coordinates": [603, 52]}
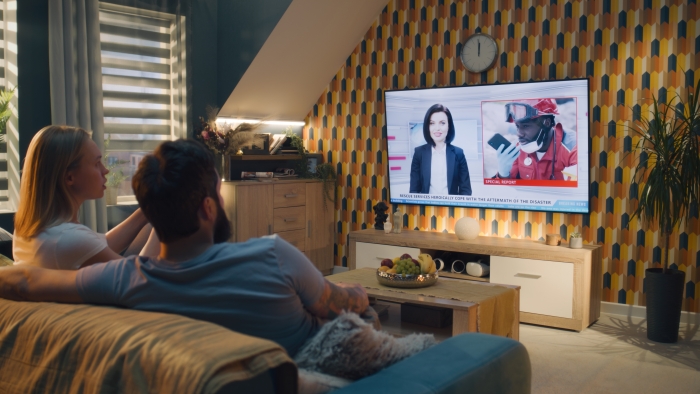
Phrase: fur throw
{"type": "Point", "coordinates": [350, 348]}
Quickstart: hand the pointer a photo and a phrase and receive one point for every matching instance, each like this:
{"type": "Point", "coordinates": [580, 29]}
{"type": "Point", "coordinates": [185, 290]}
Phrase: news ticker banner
{"type": "Point", "coordinates": [538, 204]}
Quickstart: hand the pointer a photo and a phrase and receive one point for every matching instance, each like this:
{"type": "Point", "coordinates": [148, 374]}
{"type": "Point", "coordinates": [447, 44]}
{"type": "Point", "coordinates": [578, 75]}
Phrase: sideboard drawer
{"type": "Point", "coordinates": [291, 218]}
{"type": "Point", "coordinates": [371, 255]}
{"type": "Point", "coordinates": [295, 237]}
{"type": "Point", "coordinates": [289, 195]}
{"type": "Point", "coordinates": [546, 287]}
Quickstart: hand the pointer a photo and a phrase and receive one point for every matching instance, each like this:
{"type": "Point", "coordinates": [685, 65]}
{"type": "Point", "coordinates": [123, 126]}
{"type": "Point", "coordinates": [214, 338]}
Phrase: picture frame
{"type": "Point", "coordinates": [311, 163]}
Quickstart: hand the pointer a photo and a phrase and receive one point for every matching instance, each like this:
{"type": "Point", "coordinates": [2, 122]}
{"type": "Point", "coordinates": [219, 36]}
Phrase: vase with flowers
{"type": "Point", "coordinates": [225, 139]}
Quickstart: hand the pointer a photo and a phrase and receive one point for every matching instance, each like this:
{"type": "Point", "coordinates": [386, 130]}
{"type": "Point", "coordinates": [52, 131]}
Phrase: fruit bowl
{"type": "Point", "coordinates": [406, 281]}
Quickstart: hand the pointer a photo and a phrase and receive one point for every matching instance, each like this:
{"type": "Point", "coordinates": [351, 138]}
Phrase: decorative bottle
{"type": "Point", "coordinates": [398, 222]}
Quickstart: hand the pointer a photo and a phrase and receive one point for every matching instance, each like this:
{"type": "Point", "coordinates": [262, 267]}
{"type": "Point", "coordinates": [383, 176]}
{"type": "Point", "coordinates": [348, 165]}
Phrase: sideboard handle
{"type": "Point", "coordinates": [383, 258]}
{"type": "Point", "coordinates": [290, 195]}
{"type": "Point", "coordinates": [290, 219]}
{"type": "Point", "coordinates": [269, 229]}
{"type": "Point", "coordinates": [529, 276]}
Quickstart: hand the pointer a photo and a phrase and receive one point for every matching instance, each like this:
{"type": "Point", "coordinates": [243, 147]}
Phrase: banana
{"type": "Point", "coordinates": [425, 261]}
{"type": "Point", "coordinates": [432, 268]}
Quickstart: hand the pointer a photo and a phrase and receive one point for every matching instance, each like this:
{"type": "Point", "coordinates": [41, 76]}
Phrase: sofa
{"type": "Point", "coordinates": [60, 348]}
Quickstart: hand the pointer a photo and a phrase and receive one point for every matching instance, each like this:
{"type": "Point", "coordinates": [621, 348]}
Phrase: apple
{"type": "Point", "coordinates": [416, 262]}
{"type": "Point", "coordinates": [406, 256]}
{"type": "Point", "coordinates": [387, 263]}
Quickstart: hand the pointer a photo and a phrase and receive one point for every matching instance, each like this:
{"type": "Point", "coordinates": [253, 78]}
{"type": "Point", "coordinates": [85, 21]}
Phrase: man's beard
{"type": "Point", "coordinates": [222, 227]}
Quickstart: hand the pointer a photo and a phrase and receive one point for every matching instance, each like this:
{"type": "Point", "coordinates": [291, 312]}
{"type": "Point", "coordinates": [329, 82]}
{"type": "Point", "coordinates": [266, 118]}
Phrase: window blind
{"type": "Point", "coordinates": [143, 82]}
{"type": "Point", "coordinates": [9, 153]}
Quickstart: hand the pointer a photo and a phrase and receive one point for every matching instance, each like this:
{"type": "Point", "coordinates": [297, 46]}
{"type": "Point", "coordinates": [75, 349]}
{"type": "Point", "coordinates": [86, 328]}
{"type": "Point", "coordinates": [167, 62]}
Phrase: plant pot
{"type": "Point", "coordinates": [664, 293]}
{"type": "Point", "coordinates": [575, 243]}
{"type": "Point", "coordinates": [111, 196]}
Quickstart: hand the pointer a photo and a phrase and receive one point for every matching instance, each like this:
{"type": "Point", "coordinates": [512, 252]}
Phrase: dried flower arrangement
{"type": "Point", "coordinates": [223, 138]}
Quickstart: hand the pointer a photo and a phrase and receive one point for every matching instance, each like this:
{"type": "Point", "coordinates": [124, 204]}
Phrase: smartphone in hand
{"type": "Point", "coordinates": [497, 140]}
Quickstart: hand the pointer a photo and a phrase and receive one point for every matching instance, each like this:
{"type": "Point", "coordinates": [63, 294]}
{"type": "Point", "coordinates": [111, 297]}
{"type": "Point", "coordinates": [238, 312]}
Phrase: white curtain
{"type": "Point", "coordinates": [76, 80]}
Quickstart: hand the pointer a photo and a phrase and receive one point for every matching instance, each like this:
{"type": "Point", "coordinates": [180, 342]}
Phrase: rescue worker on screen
{"type": "Point", "coordinates": [544, 148]}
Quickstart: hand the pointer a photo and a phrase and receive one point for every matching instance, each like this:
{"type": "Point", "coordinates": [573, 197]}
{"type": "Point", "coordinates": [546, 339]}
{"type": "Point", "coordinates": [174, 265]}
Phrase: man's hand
{"type": "Point", "coordinates": [340, 297]}
{"type": "Point", "coordinates": [506, 157]}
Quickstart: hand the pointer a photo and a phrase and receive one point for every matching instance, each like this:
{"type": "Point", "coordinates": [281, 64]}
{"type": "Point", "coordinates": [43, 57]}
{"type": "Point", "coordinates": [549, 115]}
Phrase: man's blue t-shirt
{"type": "Point", "coordinates": [259, 287]}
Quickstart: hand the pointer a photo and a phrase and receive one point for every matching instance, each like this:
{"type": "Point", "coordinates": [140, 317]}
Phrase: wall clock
{"type": "Point", "coordinates": [479, 52]}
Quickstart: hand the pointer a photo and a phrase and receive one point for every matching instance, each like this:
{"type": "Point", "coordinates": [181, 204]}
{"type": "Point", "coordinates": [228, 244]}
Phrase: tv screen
{"type": "Point", "coordinates": [509, 146]}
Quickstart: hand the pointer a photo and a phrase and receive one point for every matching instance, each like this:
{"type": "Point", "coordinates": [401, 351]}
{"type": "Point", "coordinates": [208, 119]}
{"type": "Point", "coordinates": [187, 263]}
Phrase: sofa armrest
{"type": "Point", "coordinates": [474, 363]}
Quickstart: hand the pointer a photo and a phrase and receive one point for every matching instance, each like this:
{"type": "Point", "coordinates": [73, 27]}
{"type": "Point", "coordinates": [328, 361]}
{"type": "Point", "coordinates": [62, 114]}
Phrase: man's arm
{"type": "Point", "coordinates": [28, 283]}
{"type": "Point", "coordinates": [340, 297]}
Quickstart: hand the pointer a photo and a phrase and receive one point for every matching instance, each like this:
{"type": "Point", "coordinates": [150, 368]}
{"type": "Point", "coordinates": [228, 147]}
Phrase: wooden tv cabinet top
{"type": "Point", "coordinates": [492, 246]}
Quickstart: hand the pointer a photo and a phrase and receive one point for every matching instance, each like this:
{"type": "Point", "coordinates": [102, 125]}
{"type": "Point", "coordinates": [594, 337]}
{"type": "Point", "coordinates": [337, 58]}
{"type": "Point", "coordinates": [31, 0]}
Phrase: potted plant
{"type": "Point", "coordinates": [575, 241]}
{"type": "Point", "coordinates": [667, 173]}
{"type": "Point", "coordinates": [115, 176]}
{"type": "Point", "coordinates": [5, 111]}
{"type": "Point", "coordinates": [325, 171]}
{"type": "Point", "coordinates": [224, 139]}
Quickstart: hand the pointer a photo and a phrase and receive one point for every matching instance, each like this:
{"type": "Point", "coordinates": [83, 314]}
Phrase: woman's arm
{"type": "Point", "coordinates": [152, 247]}
{"type": "Point", "coordinates": [121, 236]}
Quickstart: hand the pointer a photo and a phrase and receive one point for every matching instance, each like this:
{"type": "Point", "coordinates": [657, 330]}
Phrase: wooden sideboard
{"type": "Point", "coordinates": [560, 287]}
{"type": "Point", "coordinates": [292, 208]}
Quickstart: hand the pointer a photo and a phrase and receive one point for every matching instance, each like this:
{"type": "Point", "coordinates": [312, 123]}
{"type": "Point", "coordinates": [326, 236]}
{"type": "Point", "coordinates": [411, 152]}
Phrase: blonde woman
{"type": "Point", "coordinates": [63, 169]}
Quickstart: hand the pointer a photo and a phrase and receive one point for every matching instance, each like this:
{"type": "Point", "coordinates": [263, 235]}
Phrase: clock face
{"type": "Point", "coordinates": [479, 52]}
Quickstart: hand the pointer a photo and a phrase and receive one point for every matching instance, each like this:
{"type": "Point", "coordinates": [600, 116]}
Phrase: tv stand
{"type": "Point", "coordinates": [560, 287]}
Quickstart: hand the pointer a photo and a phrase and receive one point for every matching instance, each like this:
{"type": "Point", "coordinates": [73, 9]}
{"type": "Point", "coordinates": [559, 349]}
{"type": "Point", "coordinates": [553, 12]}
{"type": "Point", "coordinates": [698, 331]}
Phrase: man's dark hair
{"type": "Point", "coordinates": [171, 184]}
{"type": "Point", "coordinates": [426, 124]}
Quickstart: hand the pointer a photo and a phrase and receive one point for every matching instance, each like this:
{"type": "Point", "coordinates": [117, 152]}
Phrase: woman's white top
{"type": "Point", "coordinates": [438, 171]}
{"type": "Point", "coordinates": [65, 246]}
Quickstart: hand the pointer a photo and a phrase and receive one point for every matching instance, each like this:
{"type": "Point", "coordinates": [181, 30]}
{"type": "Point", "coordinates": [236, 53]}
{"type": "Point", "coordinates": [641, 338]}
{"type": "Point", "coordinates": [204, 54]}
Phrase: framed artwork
{"type": "Point", "coordinates": [311, 163]}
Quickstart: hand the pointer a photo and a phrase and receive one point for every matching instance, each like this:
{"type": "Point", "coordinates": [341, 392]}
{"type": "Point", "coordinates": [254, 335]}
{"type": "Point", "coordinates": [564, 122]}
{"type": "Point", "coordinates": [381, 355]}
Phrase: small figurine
{"type": "Point", "coordinates": [380, 215]}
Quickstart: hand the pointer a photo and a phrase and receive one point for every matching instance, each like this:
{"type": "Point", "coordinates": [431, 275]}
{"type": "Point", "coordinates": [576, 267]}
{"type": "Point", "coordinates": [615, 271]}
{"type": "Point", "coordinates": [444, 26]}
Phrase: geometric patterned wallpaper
{"type": "Point", "coordinates": [629, 50]}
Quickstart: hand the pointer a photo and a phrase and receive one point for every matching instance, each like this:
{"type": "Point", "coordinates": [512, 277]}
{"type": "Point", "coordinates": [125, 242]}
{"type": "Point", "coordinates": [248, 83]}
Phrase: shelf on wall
{"type": "Point", "coordinates": [266, 157]}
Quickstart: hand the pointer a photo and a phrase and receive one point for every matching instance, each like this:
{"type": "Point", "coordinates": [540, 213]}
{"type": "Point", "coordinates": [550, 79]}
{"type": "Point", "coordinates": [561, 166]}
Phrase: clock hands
{"type": "Point", "coordinates": [478, 48]}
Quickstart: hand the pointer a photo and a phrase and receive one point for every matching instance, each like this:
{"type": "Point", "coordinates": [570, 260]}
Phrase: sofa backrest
{"type": "Point", "coordinates": [52, 348]}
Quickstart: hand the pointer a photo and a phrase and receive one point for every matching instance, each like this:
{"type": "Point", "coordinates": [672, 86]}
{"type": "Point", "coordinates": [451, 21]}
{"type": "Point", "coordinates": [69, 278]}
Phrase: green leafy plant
{"type": "Point", "coordinates": [575, 235]}
{"type": "Point", "coordinates": [325, 172]}
{"type": "Point", "coordinates": [5, 111]}
{"type": "Point", "coordinates": [669, 163]}
{"type": "Point", "coordinates": [115, 176]}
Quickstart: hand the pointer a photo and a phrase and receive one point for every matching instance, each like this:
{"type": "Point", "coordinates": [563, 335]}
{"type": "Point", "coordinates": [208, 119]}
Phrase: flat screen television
{"type": "Point", "coordinates": [520, 146]}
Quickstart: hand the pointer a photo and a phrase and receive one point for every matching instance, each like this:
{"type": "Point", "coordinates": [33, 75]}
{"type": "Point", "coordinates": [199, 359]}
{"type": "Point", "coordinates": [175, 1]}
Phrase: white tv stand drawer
{"type": "Point", "coordinates": [566, 294]}
{"type": "Point", "coordinates": [546, 287]}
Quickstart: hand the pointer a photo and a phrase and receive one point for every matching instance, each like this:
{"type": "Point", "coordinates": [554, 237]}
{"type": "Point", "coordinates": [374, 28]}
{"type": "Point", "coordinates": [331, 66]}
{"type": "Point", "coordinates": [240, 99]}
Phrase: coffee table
{"type": "Point", "coordinates": [447, 293]}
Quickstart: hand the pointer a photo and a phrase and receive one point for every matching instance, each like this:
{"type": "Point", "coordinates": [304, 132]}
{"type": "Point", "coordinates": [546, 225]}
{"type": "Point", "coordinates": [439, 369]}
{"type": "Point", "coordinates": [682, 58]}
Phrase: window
{"type": "Point", "coordinates": [9, 152]}
{"type": "Point", "coordinates": [143, 82]}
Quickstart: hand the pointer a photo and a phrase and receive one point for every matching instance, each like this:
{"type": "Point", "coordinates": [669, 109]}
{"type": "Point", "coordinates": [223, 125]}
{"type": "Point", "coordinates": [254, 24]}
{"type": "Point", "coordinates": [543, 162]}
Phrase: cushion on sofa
{"type": "Point", "coordinates": [53, 348]}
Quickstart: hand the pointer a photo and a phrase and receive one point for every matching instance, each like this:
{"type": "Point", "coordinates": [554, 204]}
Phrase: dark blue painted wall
{"type": "Point", "coordinates": [243, 27]}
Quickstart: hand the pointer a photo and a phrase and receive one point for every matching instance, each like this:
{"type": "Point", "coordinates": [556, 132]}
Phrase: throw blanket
{"type": "Point", "coordinates": [54, 348]}
{"type": "Point", "coordinates": [350, 348]}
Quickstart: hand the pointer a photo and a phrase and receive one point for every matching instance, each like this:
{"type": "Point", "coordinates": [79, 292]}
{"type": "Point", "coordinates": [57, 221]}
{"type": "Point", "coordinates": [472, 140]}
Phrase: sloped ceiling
{"type": "Point", "coordinates": [289, 73]}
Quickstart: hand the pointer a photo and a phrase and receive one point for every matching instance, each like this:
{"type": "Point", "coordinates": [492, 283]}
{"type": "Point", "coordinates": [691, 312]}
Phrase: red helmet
{"type": "Point", "coordinates": [530, 109]}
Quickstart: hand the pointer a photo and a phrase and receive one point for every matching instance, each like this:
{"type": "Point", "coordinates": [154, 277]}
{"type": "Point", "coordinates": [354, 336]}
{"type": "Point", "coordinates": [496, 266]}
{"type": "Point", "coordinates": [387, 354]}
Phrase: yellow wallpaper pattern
{"type": "Point", "coordinates": [629, 50]}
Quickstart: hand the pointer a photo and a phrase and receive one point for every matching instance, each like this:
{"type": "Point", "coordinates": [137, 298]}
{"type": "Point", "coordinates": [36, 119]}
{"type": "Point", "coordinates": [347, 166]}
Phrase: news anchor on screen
{"type": "Point", "coordinates": [542, 141]}
{"type": "Point", "coordinates": [438, 167]}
